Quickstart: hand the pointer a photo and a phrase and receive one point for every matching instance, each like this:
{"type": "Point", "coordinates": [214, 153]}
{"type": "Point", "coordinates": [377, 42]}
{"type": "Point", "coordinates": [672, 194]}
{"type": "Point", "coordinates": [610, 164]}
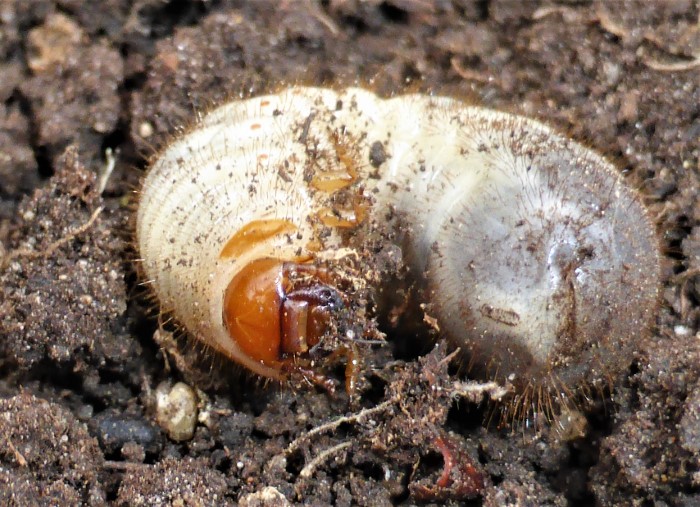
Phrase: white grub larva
{"type": "Point", "coordinates": [532, 254]}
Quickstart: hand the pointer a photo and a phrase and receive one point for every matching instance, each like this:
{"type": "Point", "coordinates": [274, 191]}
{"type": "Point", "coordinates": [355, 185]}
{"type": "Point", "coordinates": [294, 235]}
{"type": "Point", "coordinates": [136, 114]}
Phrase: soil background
{"type": "Point", "coordinates": [86, 87]}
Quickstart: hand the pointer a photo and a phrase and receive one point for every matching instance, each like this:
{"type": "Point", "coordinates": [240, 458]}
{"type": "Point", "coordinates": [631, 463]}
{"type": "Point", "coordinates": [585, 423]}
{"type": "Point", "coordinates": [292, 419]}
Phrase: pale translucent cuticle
{"type": "Point", "coordinates": [536, 258]}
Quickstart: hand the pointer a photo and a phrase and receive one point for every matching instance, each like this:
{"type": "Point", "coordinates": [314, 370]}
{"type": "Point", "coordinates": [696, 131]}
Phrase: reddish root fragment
{"type": "Point", "coordinates": [460, 478]}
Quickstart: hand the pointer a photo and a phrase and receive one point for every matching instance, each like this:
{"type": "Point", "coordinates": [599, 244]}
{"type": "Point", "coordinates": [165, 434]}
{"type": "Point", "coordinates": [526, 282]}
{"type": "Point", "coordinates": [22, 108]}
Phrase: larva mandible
{"type": "Point", "coordinates": [535, 257]}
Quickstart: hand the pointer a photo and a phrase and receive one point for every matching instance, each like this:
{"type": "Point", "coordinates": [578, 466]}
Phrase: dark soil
{"type": "Point", "coordinates": [80, 357]}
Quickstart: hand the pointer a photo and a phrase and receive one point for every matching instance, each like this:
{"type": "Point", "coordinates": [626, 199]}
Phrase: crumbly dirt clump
{"type": "Point", "coordinates": [47, 453]}
{"type": "Point", "coordinates": [62, 277]}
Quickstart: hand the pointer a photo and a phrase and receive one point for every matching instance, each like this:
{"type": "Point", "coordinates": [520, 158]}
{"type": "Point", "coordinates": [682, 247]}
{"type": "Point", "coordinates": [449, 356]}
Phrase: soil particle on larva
{"type": "Point", "coordinates": [622, 79]}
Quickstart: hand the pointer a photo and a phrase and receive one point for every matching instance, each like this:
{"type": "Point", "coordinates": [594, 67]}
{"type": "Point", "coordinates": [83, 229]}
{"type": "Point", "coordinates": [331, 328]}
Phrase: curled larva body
{"type": "Point", "coordinates": [533, 255]}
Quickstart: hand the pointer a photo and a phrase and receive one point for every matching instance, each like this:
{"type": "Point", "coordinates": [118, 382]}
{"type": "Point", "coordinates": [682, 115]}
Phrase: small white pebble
{"type": "Point", "coordinates": [176, 410]}
{"type": "Point", "coordinates": [145, 130]}
{"type": "Point", "coordinates": [682, 330]}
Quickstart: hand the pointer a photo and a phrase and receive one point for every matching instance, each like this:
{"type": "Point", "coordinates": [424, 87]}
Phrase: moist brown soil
{"type": "Point", "coordinates": [80, 350]}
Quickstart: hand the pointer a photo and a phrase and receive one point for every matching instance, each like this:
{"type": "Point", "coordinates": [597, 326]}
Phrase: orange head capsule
{"type": "Point", "coordinates": [277, 311]}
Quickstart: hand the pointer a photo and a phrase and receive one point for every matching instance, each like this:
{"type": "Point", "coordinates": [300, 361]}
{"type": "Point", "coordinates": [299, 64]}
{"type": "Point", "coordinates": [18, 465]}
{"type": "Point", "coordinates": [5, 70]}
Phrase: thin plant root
{"type": "Point", "coordinates": [21, 460]}
{"type": "Point", "coordinates": [329, 426]}
{"type": "Point", "coordinates": [308, 471]}
{"type": "Point", "coordinates": [672, 66]}
{"type": "Point", "coordinates": [27, 253]}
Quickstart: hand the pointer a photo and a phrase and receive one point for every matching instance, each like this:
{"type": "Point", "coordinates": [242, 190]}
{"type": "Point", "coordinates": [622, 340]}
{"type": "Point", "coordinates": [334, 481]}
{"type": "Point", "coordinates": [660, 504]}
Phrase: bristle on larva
{"type": "Point", "coordinates": [532, 253]}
